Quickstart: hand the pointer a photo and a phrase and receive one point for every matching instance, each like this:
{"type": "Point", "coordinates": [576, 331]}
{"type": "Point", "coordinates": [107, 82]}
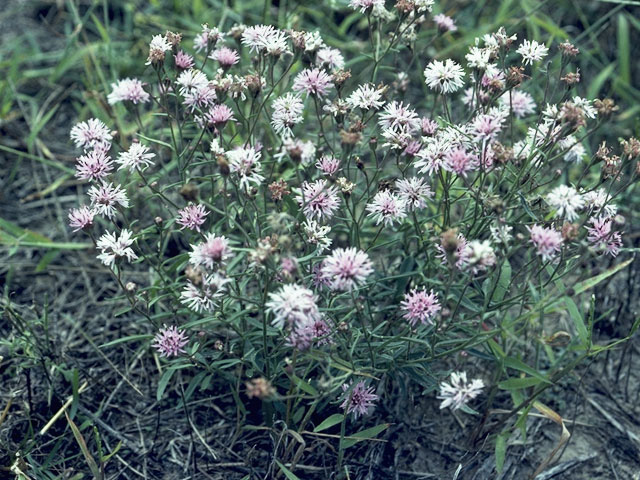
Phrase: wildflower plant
{"type": "Point", "coordinates": [320, 228]}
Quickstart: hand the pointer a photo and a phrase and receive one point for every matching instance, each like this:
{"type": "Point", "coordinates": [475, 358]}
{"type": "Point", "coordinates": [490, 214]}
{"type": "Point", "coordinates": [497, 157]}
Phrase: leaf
{"type": "Point", "coordinates": [516, 364]}
{"type": "Point", "coordinates": [334, 419]}
{"type": "Point", "coordinates": [518, 383]}
{"type": "Point", "coordinates": [93, 466]}
{"type": "Point", "coordinates": [164, 381]}
{"type": "Point", "coordinates": [287, 473]}
{"type": "Point", "coordinates": [130, 338]}
{"type": "Point", "coordinates": [578, 321]}
{"type": "Point", "coordinates": [304, 386]}
{"type": "Point", "coordinates": [596, 84]}
{"type": "Point", "coordinates": [367, 434]}
{"type": "Point", "coordinates": [501, 450]}
{"type": "Point", "coordinates": [593, 281]}
{"type": "Point", "coordinates": [624, 49]}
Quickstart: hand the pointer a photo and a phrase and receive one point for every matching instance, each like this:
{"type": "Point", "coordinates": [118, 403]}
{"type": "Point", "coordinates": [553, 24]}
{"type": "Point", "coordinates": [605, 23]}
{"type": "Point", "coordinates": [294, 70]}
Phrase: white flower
{"type": "Point", "coordinates": [312, 41]}
{"type": "Point", "coordinates": [459, 391]}
{"type": "Point", "coordinates": [366, 97]}
{"type": "Point", "coordinates": [575, 151]}
{"type": "Point", "coordinates": [478, 58]}
{"type": "Point", "coordinates": [501, 233]}
{"type": "Point", "coordinates": [532, 51]}
{"type": "Point", "coordinates": [127, 89]}
{"type": "Point", "coordinates": [331, 57]}
{"type": "Point", "coordinates": [586, 106]}
{"type": "Point", "coordinates": [245, 163]}
{"type": "Point", "coordinates": [202, 298]}
{"type": "Point", "coordinates": [317, 234]}
{"type": "Point", "coordinates": [287, 112]}
{"type": "Point", "coordinates": [481, 255]}
{"type": "Point", "coordinates": [414, 192]}
{"type": "Point", "coordinates": [521, 103]}
{"type": "Point", "coordinates": [599, 201]}
{"type": "Point", "coordinates": [137, 157]}
{"type": "Point", "coordinates": [112, 247]}
{"type": "Point", "coordinates": [444, 77]}
{"type": "Point", "coordinates": [294, 305]}
{"type": "Point", "coordinates": [214, 251]}
{"type": "Point", "coordinates": [265, 39]}
{"type": "Point", "coordinates": [566, 201]}
{"type": "Point", "coordinates": [191, 80]}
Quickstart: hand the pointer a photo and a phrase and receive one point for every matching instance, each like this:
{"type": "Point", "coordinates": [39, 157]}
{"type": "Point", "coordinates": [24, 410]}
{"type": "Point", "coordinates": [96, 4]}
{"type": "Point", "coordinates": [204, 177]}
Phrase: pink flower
{"type": "Point", "coordinates": [445, 23]}
{"type": "Point", "coordinates": [460, 161]}
{"type": "Point", "coordinates": [94, 165]}
{"type": "Point", "coordinates": [458, 392]}
{"type": "Point", "coordinates": [214, 251]}
{"type": "Point", "coordinates": [80, 218]}
{"type": "Point", "coordinates": [602, 238]}
{"type": "Point", "coordinates": [183, 60]}
{"type": "Point", "coordinates": [386, 207]}
{"type": "Point", "coordinates": [192, 217]}
{"type": "Point", "coordinates": [461, 254]}
{"type": "Point", "coordinates": [318, 200]}
{"type": "Point", "coordinates": [547, 241]}
{"type": "Point", "coordinates": [521, 103]}
{"type": "Point", "coordinates": [486, 127]}
{"type": "Point", "coordinates": [358, 400]}
{"type": "Point", "coordinates": [429, 127]}
{"type": "Point", "coordinates": [346, 268]}
{"type": "Point", "coordinates": [90, 134]}
{"type": "Point", "coordinates": [421, 306]}
{"type": "Point", "coordinates": [225, 56]}
{"type": "Point", "coordinates": [218, 115]}
{"type": "Point", "coordinates": [128, 89]}
{"type": "Point", "coordinates": [106, 197]}
{"type": "Point", "coordinates": [169, 342]}
{"type": "Point", "coordinates": [328, 164]}
{"type": "Point", "coordinates": [313, 82]}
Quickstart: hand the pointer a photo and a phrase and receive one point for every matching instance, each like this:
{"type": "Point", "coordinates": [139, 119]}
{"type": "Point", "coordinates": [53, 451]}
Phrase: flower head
{"type": "Point", "coordinates": [566, 201]}
{"type": "Point", "coordinates": [183, 60]}
{"type": "Point", "coordinates": [318, 200]}
{"type": "Point", "coordinates": [346, 268]}
{"type": "Point", "coordinates": [602, 238]}
{"type": "Point", "coordinates": [532, 51]}
{"type": "Point", "coordinates": [459, 391]}
{"type": "Point", "coordinates": [328, 164]}
{"type": "Point", "coordinates": [265, 39]}
{"type": "Point", "coordinates": [366, 97]}
{"type": "Point", "coordinates": [548, 242]}
{"type": "Point", "coordinates": [106, 197]}
{"type": "Point", "coordinates": [293, 305]}
{"type": "Point", "coordinates": [214, 251]}
{"type": "Point", "coordinates": [287, 112]}
{"type": "Point", "coordinates": [364, 5]}
{"type": "Point", "coordinates": [94, 165]}
{"type": "Point", "coordinates": [459, 161]}
{"type": "Point", "coordinates": [444, 77]}
{"type": "Point", "coordinates": [80, 218]}
{"type": "Point", "coordinates": [330, 57]}
{"type": "Point", "coordinates": [359, 399]}
{"type": "Point", "coordinates": [90, 134]}
{"type": "Point", "coordinates": [445, 23]}
{"type": "Point", "coordinates": [245, 164]}
{"type": "Point", "coordinates": [386, 207]}
{"type": "Point", "coordinates": [137, 157]}
{"type": "Point", "coordinates": [169, 342]}
{"type": "Point", "coordinates": [128, 89]}
{"type": "Point", "coordinates": [313, 81]}
{"type": "Point", "coordinates": [112, 247]}
{"type": "Point", "coordinates": [158, 45]}
{"type": "Point", "coordinates": [414, 191]}
{"type": "Point", "coordinates": [192, 217]}
{"type": "Point", "coordinates": [420, 306]}
{"type": "Point", "coordinates": [218, 116]}
{"type": "Point", "coordinates": [317, 234]}
{"type": "Point", "coordinates": [225, 56]}
{"type": "Point", "coordinates": [521, 103]}
{"type": "Point", "coordinates": [204, 296]}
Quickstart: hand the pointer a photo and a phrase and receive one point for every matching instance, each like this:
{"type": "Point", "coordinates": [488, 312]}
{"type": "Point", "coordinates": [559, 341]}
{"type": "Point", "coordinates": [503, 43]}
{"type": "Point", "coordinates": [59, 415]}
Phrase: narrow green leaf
{"type": "Point", "coordinates": [287, 473]}
{"type": "Point", "coordinates": [624, 48]}
{"type": "Point", "coordinates": [164, 381]}
{"type": "Point", "coordinates": [334, 419]}
{"type": "Point", "coordinates": [365, 435]}
{"type": "Point", "coordinates": [518, 383]}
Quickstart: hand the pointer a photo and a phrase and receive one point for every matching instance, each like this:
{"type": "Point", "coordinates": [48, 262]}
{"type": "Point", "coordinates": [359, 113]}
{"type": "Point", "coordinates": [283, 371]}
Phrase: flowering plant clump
{"type": "Point", "coordinates": [319, 235]}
